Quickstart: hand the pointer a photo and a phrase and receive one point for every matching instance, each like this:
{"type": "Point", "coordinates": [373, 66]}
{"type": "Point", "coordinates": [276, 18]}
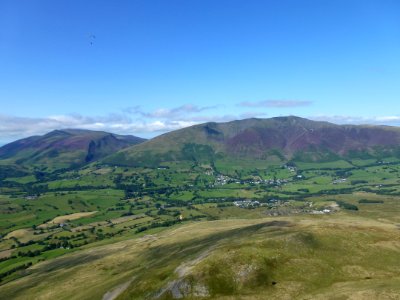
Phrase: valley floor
{"type": "Point", "coordinates": [183, 230]}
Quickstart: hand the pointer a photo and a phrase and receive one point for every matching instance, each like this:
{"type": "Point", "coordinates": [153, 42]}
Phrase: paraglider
{"type": "Point", "coordinates": [92, 38]}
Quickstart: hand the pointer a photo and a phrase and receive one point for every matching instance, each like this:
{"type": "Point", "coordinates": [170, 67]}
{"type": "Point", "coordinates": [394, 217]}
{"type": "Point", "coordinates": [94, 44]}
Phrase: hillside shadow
{"type": "Point", "coordinates": [161, 255]}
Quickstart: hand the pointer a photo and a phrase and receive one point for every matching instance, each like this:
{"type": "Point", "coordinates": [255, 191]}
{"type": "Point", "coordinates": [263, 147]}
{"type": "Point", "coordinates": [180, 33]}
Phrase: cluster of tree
{"type": "Point", "coordinates": [354, 182]}
{"type": "Point", "coordinates": [158, 224]}
{"type": "Point", "coordinates": [80, 188]}
{"type": "Point", "coordinates": [8, 171]}
{"type": "Point", "coordinates": [343, 173]}
{"type": "Point", "coordinates": [100, 235]}
{"type": "Point", "coordinates": [15, 269]}
{"type": "Point", "coordinates": [35, 189]}
{"type": "Point", "coordinates": [21, 244]}
{"type": "Point", "coordinates": [10, 184]}
{"type": "Point", "coordinates": [58, 244]}
{"type": "Point", "coordinates": [392, 192]}
{"type": "Point", "coordinates": [346, 205]}
{"type": "Point", "coordinates": [130, 190]}
{"type": "Point", "coordinates": [366, 201]}
{"type": "Point", "coordinates": [7, 258]}
{"type": "Point", "coordinates": [115, 208]}
{"type": "Point", "coordinates": [220, 205]}
{"type": "Point", "coordinates": [335, 192]}
{"type": "Point", "coordinates": [30, 253]}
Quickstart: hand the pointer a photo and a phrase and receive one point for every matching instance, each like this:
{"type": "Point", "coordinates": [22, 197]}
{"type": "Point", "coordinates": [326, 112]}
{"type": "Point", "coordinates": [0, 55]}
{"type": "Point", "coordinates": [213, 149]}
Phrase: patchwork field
{"type": "Point", "coordinates": [183, 231]}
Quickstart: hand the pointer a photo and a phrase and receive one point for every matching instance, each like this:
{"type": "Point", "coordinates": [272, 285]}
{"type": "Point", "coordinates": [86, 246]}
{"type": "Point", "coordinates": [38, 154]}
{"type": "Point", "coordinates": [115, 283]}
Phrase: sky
{"type": "Point", "coordinates": [145, 67]}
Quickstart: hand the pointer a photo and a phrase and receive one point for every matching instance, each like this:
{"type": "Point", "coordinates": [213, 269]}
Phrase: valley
{"type": "Point", "coordinates": [203, 224]}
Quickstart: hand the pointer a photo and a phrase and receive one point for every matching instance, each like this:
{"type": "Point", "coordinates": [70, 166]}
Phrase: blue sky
{"type": "Point", "coordinates": [146, 67]}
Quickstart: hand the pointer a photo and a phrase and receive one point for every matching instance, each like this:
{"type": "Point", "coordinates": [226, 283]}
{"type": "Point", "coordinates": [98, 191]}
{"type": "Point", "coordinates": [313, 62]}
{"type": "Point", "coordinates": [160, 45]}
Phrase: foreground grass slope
{"type": "Point", "coordinates": [304, 257]}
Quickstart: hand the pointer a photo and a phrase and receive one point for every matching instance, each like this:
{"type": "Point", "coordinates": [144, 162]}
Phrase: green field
{"type": "Point", "coordinates": [229, 230]}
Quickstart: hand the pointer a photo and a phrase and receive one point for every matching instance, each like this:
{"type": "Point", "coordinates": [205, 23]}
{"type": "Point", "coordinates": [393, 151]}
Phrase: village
{"type": "Point", "coordinates": [224, 179]}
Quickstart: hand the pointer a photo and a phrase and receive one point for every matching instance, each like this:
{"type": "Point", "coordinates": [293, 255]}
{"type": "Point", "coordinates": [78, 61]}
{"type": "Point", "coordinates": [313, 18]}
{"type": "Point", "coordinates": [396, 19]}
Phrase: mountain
{"type": "Point", "coordinates": [65, 148]}
{"type": "Point", "coordinates": [289, 138]}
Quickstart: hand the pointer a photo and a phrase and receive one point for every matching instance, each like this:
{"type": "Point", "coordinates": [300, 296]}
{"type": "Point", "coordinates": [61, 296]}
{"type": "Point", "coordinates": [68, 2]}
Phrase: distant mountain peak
{"type": "Point", "coordinates": [64, 148]}
{"type": "Point", "coordinates": [287, 136]}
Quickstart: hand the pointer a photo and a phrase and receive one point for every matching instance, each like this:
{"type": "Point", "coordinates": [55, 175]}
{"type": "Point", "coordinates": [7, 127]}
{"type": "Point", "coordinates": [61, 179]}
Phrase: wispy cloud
{"type": "Point", "coordinates": [275, 103]}
{"type": "Point", "coordinates": [148, 124]}
{"type": "Point", "coordinates": [14, 127]}
{"type": "Point", "coordinates": [167, 113]}
{"type": "Point", "coordinates": [252, 114]}
{"type": "Point", "coordinates": [135, 122]}
{"type": "Point", "coordinates": [373, 120]}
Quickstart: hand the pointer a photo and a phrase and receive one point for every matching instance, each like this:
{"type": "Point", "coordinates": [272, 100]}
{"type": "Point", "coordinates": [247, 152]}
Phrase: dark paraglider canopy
{"type": "Point", "coordinates": [92, 38]}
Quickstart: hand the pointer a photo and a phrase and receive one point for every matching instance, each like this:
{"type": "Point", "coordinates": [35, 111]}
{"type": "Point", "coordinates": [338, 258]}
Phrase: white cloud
{"type": "Point", "coordinates": [15, 127]}
{"type": "Point", "coordinates": [390, 119]}
{"type": "Point", "coordinates": [275, 103]}
{"type": "Point", "coordinates": [168, 113]}
{"type": "Point", "coordinates": [373, 120]}
{"type": "Point", "coordinates": [145, 125]}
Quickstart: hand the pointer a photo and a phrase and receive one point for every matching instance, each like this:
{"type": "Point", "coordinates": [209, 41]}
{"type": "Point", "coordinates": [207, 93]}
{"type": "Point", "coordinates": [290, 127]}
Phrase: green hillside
{"type": "Point", "coordinates": [64, 148]}
{"type": "Point", "coordinates": [286, 138]}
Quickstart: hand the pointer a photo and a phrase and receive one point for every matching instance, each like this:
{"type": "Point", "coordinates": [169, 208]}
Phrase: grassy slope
{"type": "Point", "coordinates": [309, 257]}
{"type": "Point", "coordinates": [278, 139]}
{"type": "Point", "coordinates": [64, 148]}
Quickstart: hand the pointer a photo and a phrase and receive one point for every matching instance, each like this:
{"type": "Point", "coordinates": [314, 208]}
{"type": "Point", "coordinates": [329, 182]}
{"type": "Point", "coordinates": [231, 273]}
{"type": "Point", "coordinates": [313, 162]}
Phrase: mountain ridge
{"type": "Point", "coordinates": [253, 138]}
{"type": "Point", "coordinates": [289, 138]}
{"type": "Point", "coordinates": [65, 148]}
